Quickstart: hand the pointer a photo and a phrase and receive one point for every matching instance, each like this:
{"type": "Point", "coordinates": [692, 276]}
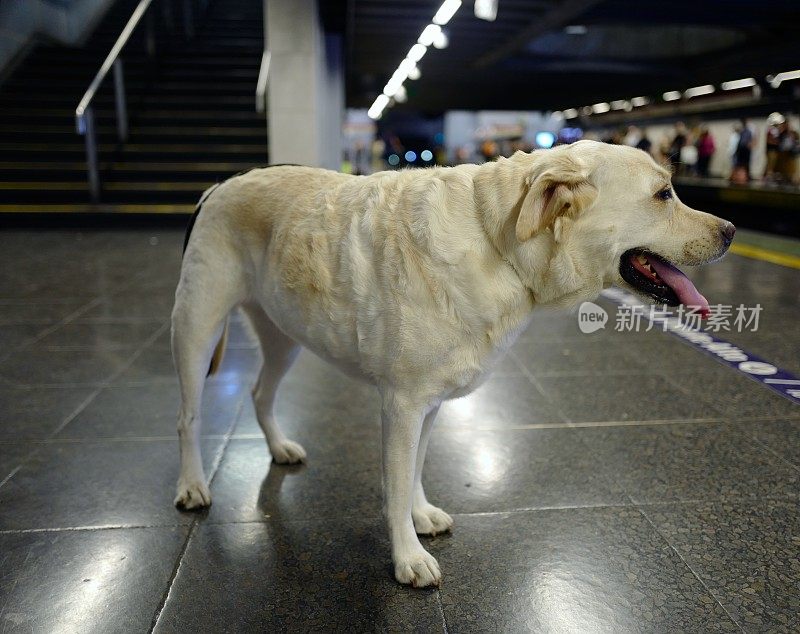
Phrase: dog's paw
{"type": "Point", "coordinates": [288, 452]}
{"type": "Point", "coordinates": [192, 495]}
{"type": "Point", "coordinates": [418, 569]}
{"type": "Point", "coordinates": [431, 520]}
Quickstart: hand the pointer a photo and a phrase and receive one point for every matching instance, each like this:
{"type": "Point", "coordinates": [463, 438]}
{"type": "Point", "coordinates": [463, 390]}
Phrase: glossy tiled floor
{"type": "Point", "coordinates": [600, 483]}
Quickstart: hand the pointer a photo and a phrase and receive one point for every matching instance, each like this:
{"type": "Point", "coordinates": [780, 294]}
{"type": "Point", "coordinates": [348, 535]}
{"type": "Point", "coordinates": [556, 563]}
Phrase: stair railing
{"type": "Point", "coordinates": [84, 113]}
{"type": "Point", "coordinates": [261, 85]}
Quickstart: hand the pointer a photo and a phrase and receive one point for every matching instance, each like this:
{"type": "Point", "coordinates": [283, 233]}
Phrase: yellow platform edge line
{"type": "Point", "coordinates": [766, 255]}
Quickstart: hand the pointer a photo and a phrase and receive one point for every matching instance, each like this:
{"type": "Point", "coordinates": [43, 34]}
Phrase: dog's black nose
{"type": "Point", "coordinates": [728, 231]}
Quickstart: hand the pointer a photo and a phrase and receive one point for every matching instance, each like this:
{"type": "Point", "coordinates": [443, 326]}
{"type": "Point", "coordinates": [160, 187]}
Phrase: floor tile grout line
{"type": "Point", "coordinates": [762, 445]}
{"type": "Point", "coordinates": [737, 500]}
{"type": "Point", "coordinates": [710, 357]}
{"type": "Point", "coordinates": [681, 388]}
{"type": "Point", "coordinates": [16, 469]}
{"type": "Point", "coordinates": [52, 328]}
{"type": "Point", "coordinates": [440, 604]}
{"type": "Point", "coordinates": [437, 430]}
{"type": "Point", "coordinates": [131, 360]}
{"type": "Point", "coordinates": [85, 403]}
{"type": "Point", "coordinates": [195, 522]}
{"type": "Point", "coordinates": [539, 388]}
{"type": "Point", "coordinates": [690, 568]}
{"type": "Point", "coordinates": [88, 528]}
{"type": "Point", "coordinates": [173, 575]}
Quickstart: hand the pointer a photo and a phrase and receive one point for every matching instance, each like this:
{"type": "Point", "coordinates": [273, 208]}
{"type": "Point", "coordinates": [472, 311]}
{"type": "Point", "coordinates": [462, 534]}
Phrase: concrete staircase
{"type": "Point", "coordinates": [191, 111]}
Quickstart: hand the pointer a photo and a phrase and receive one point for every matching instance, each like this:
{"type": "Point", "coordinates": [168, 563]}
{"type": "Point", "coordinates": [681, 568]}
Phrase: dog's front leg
{"type": "Point", "coordinates": [402, 418]}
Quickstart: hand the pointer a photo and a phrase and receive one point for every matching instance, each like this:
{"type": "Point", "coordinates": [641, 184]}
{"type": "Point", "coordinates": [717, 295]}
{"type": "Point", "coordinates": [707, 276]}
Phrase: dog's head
{"type": "Point", "coordinates": [609, 215]}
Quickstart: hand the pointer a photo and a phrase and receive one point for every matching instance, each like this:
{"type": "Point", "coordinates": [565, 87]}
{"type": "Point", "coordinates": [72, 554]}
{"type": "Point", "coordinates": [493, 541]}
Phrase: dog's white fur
{"type": "Point", "coordinates": [416, 281]}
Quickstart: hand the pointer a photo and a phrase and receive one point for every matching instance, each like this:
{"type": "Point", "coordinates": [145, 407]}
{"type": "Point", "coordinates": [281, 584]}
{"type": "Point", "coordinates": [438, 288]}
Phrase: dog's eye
{"type": "Point", "coordinates": [665, 194]}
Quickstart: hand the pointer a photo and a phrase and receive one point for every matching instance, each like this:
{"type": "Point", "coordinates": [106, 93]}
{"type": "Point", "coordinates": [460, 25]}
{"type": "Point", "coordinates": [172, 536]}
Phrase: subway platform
{"type": "Point", "coordinates": [612, 481]}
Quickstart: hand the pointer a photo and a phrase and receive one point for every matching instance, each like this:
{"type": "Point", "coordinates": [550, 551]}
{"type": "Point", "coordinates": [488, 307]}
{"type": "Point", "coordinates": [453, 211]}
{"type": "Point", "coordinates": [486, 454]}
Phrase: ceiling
{"type": "Point", "coordinates": [526, 61]}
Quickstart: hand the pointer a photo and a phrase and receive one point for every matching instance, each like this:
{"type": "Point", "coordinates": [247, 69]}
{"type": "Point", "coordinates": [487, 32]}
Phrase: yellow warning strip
{"type": "Point", "coordinates": [757, 253]}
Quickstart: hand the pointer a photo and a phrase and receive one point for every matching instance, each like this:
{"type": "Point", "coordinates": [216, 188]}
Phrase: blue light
{"type": "Point", "coordinates": [426, 155]}
{"type": "Point", "coordinates": [545, 139]}
{"type": "Point", "coordinates": [411, 156]}
{"type": "Point", "coordinates": [393, 159]}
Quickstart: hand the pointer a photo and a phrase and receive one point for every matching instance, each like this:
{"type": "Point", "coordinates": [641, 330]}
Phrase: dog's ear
{"type": "Point", "coordinates": [558, 186]}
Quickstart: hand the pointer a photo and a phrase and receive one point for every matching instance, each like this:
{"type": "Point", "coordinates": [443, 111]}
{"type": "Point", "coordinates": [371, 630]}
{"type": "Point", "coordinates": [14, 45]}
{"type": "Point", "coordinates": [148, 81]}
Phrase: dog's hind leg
{"type": "Point", "coordinates": [206, 294]}
{"type": "Point", "coordinates": [279, 353]}
{"type": "Point", "coordinates": [428, 519]}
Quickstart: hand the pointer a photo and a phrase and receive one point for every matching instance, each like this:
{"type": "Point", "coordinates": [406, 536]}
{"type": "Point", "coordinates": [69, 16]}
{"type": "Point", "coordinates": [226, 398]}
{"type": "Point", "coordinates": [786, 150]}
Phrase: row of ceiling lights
{"type": "Point", "coordinates": [674, 95]}
{"type": "Point", "coordinates": [432, 35]}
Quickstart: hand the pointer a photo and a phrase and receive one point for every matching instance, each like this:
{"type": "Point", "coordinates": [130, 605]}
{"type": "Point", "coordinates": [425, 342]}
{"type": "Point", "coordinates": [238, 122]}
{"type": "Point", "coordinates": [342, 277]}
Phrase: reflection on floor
{"type": "Point", "coordinates": [608, 482]}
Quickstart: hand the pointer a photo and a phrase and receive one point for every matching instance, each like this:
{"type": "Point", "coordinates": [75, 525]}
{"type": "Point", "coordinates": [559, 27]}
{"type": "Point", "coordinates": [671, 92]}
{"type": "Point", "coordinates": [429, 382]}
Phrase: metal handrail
{"type": "Point", "coordinates": [111, 59]}
{"type": "Point", "coordinates": [84, 114]}
{"type": "Point", "coordinates": [261, 85]}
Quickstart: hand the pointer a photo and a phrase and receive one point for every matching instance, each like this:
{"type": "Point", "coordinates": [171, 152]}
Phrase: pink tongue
{"type": "Point", "coordinates": [682, 285]}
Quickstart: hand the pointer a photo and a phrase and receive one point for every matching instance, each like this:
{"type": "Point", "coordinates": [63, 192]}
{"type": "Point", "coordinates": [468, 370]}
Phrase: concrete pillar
{"type": "Point", "coordinates": [305, 92]}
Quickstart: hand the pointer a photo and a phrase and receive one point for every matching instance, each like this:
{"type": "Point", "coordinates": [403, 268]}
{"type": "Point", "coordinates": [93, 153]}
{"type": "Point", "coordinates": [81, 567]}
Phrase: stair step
{"type": "Point", "coordinates": [192, 118]}
{"type": "Point", "coordinates": [128, 170]}
{"type": "Point", "coordinates": [105, 208]}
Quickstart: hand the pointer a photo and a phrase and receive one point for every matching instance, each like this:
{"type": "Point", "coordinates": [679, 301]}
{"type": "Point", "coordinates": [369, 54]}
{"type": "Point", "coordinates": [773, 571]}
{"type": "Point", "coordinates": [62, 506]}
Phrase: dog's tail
{"type": "Point", "coordinates": [219, 351]}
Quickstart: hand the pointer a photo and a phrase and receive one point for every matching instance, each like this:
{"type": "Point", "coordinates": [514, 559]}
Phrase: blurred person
{"type": "Point", "coordinates": [689, 157]}
{"type": "Point", "coordinates": [788, 148]}
{"type": "Point", "coordinates": [733, 143]}
{"type": "Point", "coordinates": [644, 143]}
{"type": "Point", "coordinates": [632, 136]}
{"type": "Point", "coordinates": [378, 149]}
{"type": "Point", "coordinates": [675, 147]}
{"type": "Point", "coordinates": [705, 151]}
{"type": "Point", "coordinates": [744, 148]}
{"type": "Point", "coordinates": [360, 160]}
{"type": "Point", "coordinates": [463, 155]}
{"type": "Point", "coordinates": [489, 150]}
{"type": "Point", "coordinates": [773, 142]}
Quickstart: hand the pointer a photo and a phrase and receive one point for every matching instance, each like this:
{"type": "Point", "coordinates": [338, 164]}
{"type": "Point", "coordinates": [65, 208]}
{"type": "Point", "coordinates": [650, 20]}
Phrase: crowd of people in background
{"type": "Point", "coordinates": [691, 150]}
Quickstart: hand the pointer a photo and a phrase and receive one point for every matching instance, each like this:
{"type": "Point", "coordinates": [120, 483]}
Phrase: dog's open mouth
{"type": "Point", "coordinates": [652, 275]}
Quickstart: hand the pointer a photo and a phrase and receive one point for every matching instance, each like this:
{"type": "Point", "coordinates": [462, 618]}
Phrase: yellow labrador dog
{"type": "Point", "coordinates": [418, 281]}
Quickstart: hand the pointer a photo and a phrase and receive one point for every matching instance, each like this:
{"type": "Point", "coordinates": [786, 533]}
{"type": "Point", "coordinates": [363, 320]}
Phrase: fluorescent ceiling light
{"type": "Point", "coordinates": [429, 34]}
{"type": "Point", "coordinates": [376, 109]}
{"type": "Point", "coordinates": [576, 29]}
{"type": "Point", "coordinates": [570, 113]}
{"type": "Point", "coordinates": [600, 108]}
{"type": "Point", "coordinates": [639, 101]}
{"type": "Point", "coordinates": [395, 82]}
{"type": "Point", "coordinates": [406, 66]}
{"type": "Point", "coordinates": [417, 52]}
{"type": "Point", "coordinates": [618, 104]}
{"type": "Point", "coordinates": [446, 11]}
{"type": "Point", "coordinates": [738, 83]}
{"type": "Point", "coordinates": [432, 35]}
{"type": "Point", "coordinates": [393, 85]}
{"type": "Point", "coordinates": [671, 95]}
{"type": "Point", "coordinates": [697, 91]}
{"type": "Point", "coordinates": [486, 10]}
{"type": "Point", "coordinates": [781, 77]}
